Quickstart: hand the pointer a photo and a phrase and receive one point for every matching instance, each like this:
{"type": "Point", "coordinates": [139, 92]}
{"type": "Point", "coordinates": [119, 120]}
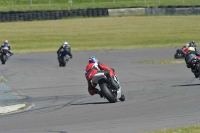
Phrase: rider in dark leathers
{"type": "Point", "coordinates": [64, 50]}
{"type": "Point", "coordinates": [190, 55]}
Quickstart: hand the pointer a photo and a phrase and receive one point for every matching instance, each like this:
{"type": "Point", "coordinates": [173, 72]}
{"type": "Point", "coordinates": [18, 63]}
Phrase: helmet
{"type": "Point", "coordinates": [5, 41]}
{"type": "Point", "coordinates": [193, 42]}
{"type": "Point", "coordinates": [191, 49]}
{"type": "Point", "coordinates": [92, 59]}
{"type": "Point", "coordinates": [65, 43]}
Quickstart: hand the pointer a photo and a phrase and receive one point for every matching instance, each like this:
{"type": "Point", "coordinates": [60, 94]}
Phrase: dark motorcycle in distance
{"type": "Point", "coordinates": [63, 58]}
{"type": "Point", "coordinates": [110, 92]}
{"type": "Point", "coordinates": [179, 54]}
{"type": "Point", "coordinates": [4, 55]}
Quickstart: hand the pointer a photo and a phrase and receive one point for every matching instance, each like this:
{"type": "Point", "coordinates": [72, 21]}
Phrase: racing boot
{"type": "Point", "coordinates": [196, 75]}
{"type": "Point", "coordinates": [122, 98]}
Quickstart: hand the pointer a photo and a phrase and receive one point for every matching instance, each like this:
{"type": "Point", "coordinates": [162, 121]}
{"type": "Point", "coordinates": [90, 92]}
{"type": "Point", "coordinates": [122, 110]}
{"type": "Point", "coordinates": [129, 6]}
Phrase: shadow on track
{"type": "Point", "coordinates": [185, 85]}
{"type": "Point", "coordinates": [91, 103]}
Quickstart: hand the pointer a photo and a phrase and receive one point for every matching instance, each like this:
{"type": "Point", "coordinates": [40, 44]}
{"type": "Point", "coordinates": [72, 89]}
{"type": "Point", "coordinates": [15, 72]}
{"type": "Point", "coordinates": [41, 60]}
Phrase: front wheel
{"type": "Point", "coordinates": [111, 97]}
{"type": "Point", "coordinates": [177, 56]}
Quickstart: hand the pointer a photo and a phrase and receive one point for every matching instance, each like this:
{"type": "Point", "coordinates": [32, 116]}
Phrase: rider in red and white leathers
{"type": "Point", "coordinates": [92, 68]}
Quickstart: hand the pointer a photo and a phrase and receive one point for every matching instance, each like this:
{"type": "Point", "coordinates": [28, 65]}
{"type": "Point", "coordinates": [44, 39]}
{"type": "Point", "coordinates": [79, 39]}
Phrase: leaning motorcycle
{"type": "Point", "coordinates": [194, 61]}
{"type": "Point", "coordinates": [110, 91]}
{"type": "Point", "coordinates": [4, 55]}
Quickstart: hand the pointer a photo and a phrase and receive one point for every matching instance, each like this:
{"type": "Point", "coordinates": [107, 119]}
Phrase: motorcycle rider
{"type": "Point", "coordinates": [6, 44]}
{"type": "Point", "coordinates": [190, 55]}
{"type": "Point", "coordinates": [66, 50]}
{"type": "Point", "coordinates": [190, 44]}
{"type": "Point", "coordinates": [94, 67]}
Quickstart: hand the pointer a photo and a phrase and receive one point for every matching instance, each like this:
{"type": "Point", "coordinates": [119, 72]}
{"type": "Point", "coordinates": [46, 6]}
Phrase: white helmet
{"type": "Point", "coordinates": [65, 43]}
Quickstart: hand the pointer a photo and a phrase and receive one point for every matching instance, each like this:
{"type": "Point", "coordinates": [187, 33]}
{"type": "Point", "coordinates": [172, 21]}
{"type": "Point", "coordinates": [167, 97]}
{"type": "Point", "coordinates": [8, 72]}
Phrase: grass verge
{"type": "Point", "coordinates": [162, 62]}
{"type": "Point", "coordinates": [101, 33]}
{"type": "Point", "coordinates": [190, 129]}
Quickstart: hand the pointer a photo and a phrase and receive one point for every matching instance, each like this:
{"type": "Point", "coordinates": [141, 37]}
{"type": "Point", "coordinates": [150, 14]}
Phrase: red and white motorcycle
{"type": "Point", "coordinates": [111, 89]}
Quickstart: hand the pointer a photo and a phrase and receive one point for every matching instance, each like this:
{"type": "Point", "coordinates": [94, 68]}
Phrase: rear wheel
{"type": "Point", "coordinates": [111, 97]}
{"type": "Point", "coordinates": [64, 61]}
{"type": "Point", "coordinates": [3, 59]}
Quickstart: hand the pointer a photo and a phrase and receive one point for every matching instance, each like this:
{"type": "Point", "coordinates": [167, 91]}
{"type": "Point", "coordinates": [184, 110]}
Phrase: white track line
{"type": "Point", "coordinates": [4, 78]}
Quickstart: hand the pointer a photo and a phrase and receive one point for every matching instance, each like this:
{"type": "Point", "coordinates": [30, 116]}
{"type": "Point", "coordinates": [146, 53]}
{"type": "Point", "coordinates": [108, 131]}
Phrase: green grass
{"type": "Point", "coordinates": [7, 5]}
{"type": "Point", "coordinates": [190, 129]}
{"type": "Point", "coordinates": [101, 33]}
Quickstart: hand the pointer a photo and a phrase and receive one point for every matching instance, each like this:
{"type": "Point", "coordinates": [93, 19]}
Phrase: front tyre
{"type": "Point", "coordinates": [107, 93]}
{"type": "Point", "coordinates": [176, 56]}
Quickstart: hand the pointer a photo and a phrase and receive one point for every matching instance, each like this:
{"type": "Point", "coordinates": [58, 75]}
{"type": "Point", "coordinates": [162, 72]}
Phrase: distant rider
{"type": "Point", "coordinates": [6, 44]}
{"type": "Point", "coordinates": [64, 50]}
{"type": "Point", "coordinates": [94, 67]}
{"type": "Point", "coordinates": [190, 55]}
{"type": "Point", "coordinates": [190, 44]}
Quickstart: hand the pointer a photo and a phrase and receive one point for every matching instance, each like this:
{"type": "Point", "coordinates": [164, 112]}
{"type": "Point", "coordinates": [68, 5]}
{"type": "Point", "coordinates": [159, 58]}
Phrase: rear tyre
{"type": "Point", "coordinates": [107, 94]}
{"type": "Point", "coordinates": [3, 59]}
{"type": "Point", "coordinates": [63, 61]}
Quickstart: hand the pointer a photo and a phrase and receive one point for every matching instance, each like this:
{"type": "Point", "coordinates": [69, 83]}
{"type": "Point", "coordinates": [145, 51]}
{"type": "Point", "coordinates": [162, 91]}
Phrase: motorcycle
{"type": "Point", "coordinates": [194, 61]}
{"type": "Point", "coordinates": [179, 54]}
{"type": "Point", "coordinates": [109, 91]}
{"type": "Point", "coordinates": [4, 55]}
{"type": "Point", "coordinates": [63, 59]}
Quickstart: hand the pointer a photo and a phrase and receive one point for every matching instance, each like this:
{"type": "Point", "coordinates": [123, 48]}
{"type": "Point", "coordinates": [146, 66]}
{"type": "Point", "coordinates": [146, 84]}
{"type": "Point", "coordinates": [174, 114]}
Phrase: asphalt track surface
{"type": "Point", "coordinates": [157, 96]}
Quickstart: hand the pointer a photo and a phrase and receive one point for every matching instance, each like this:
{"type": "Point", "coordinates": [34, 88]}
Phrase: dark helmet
{"type": "Point", "coordinates": [191, 44]}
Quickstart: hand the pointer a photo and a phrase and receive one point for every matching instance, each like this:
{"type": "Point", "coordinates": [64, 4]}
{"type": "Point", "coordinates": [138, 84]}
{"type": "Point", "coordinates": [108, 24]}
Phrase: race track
{"type": "Point", "coordinates": [158, 96]}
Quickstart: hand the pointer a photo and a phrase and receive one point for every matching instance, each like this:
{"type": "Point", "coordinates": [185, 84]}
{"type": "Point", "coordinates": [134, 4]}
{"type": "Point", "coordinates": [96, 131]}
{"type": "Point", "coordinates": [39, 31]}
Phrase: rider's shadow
{"type": "Point", "coordinates": [90, 103]}
{"type": "Point", "coordinates": [186, 85]}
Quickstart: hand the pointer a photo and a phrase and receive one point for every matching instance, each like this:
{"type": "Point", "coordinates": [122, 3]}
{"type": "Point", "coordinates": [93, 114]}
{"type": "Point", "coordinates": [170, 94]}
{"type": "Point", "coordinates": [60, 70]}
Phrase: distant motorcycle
{"type": "Point", "coordinates": [110, 92]}
{"type": "Point", "coordinates": [4, 55]}
{"type": "Point", "coordinates": [63, 58]}
{"type": "Point", "coordinates": [179, 54]}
